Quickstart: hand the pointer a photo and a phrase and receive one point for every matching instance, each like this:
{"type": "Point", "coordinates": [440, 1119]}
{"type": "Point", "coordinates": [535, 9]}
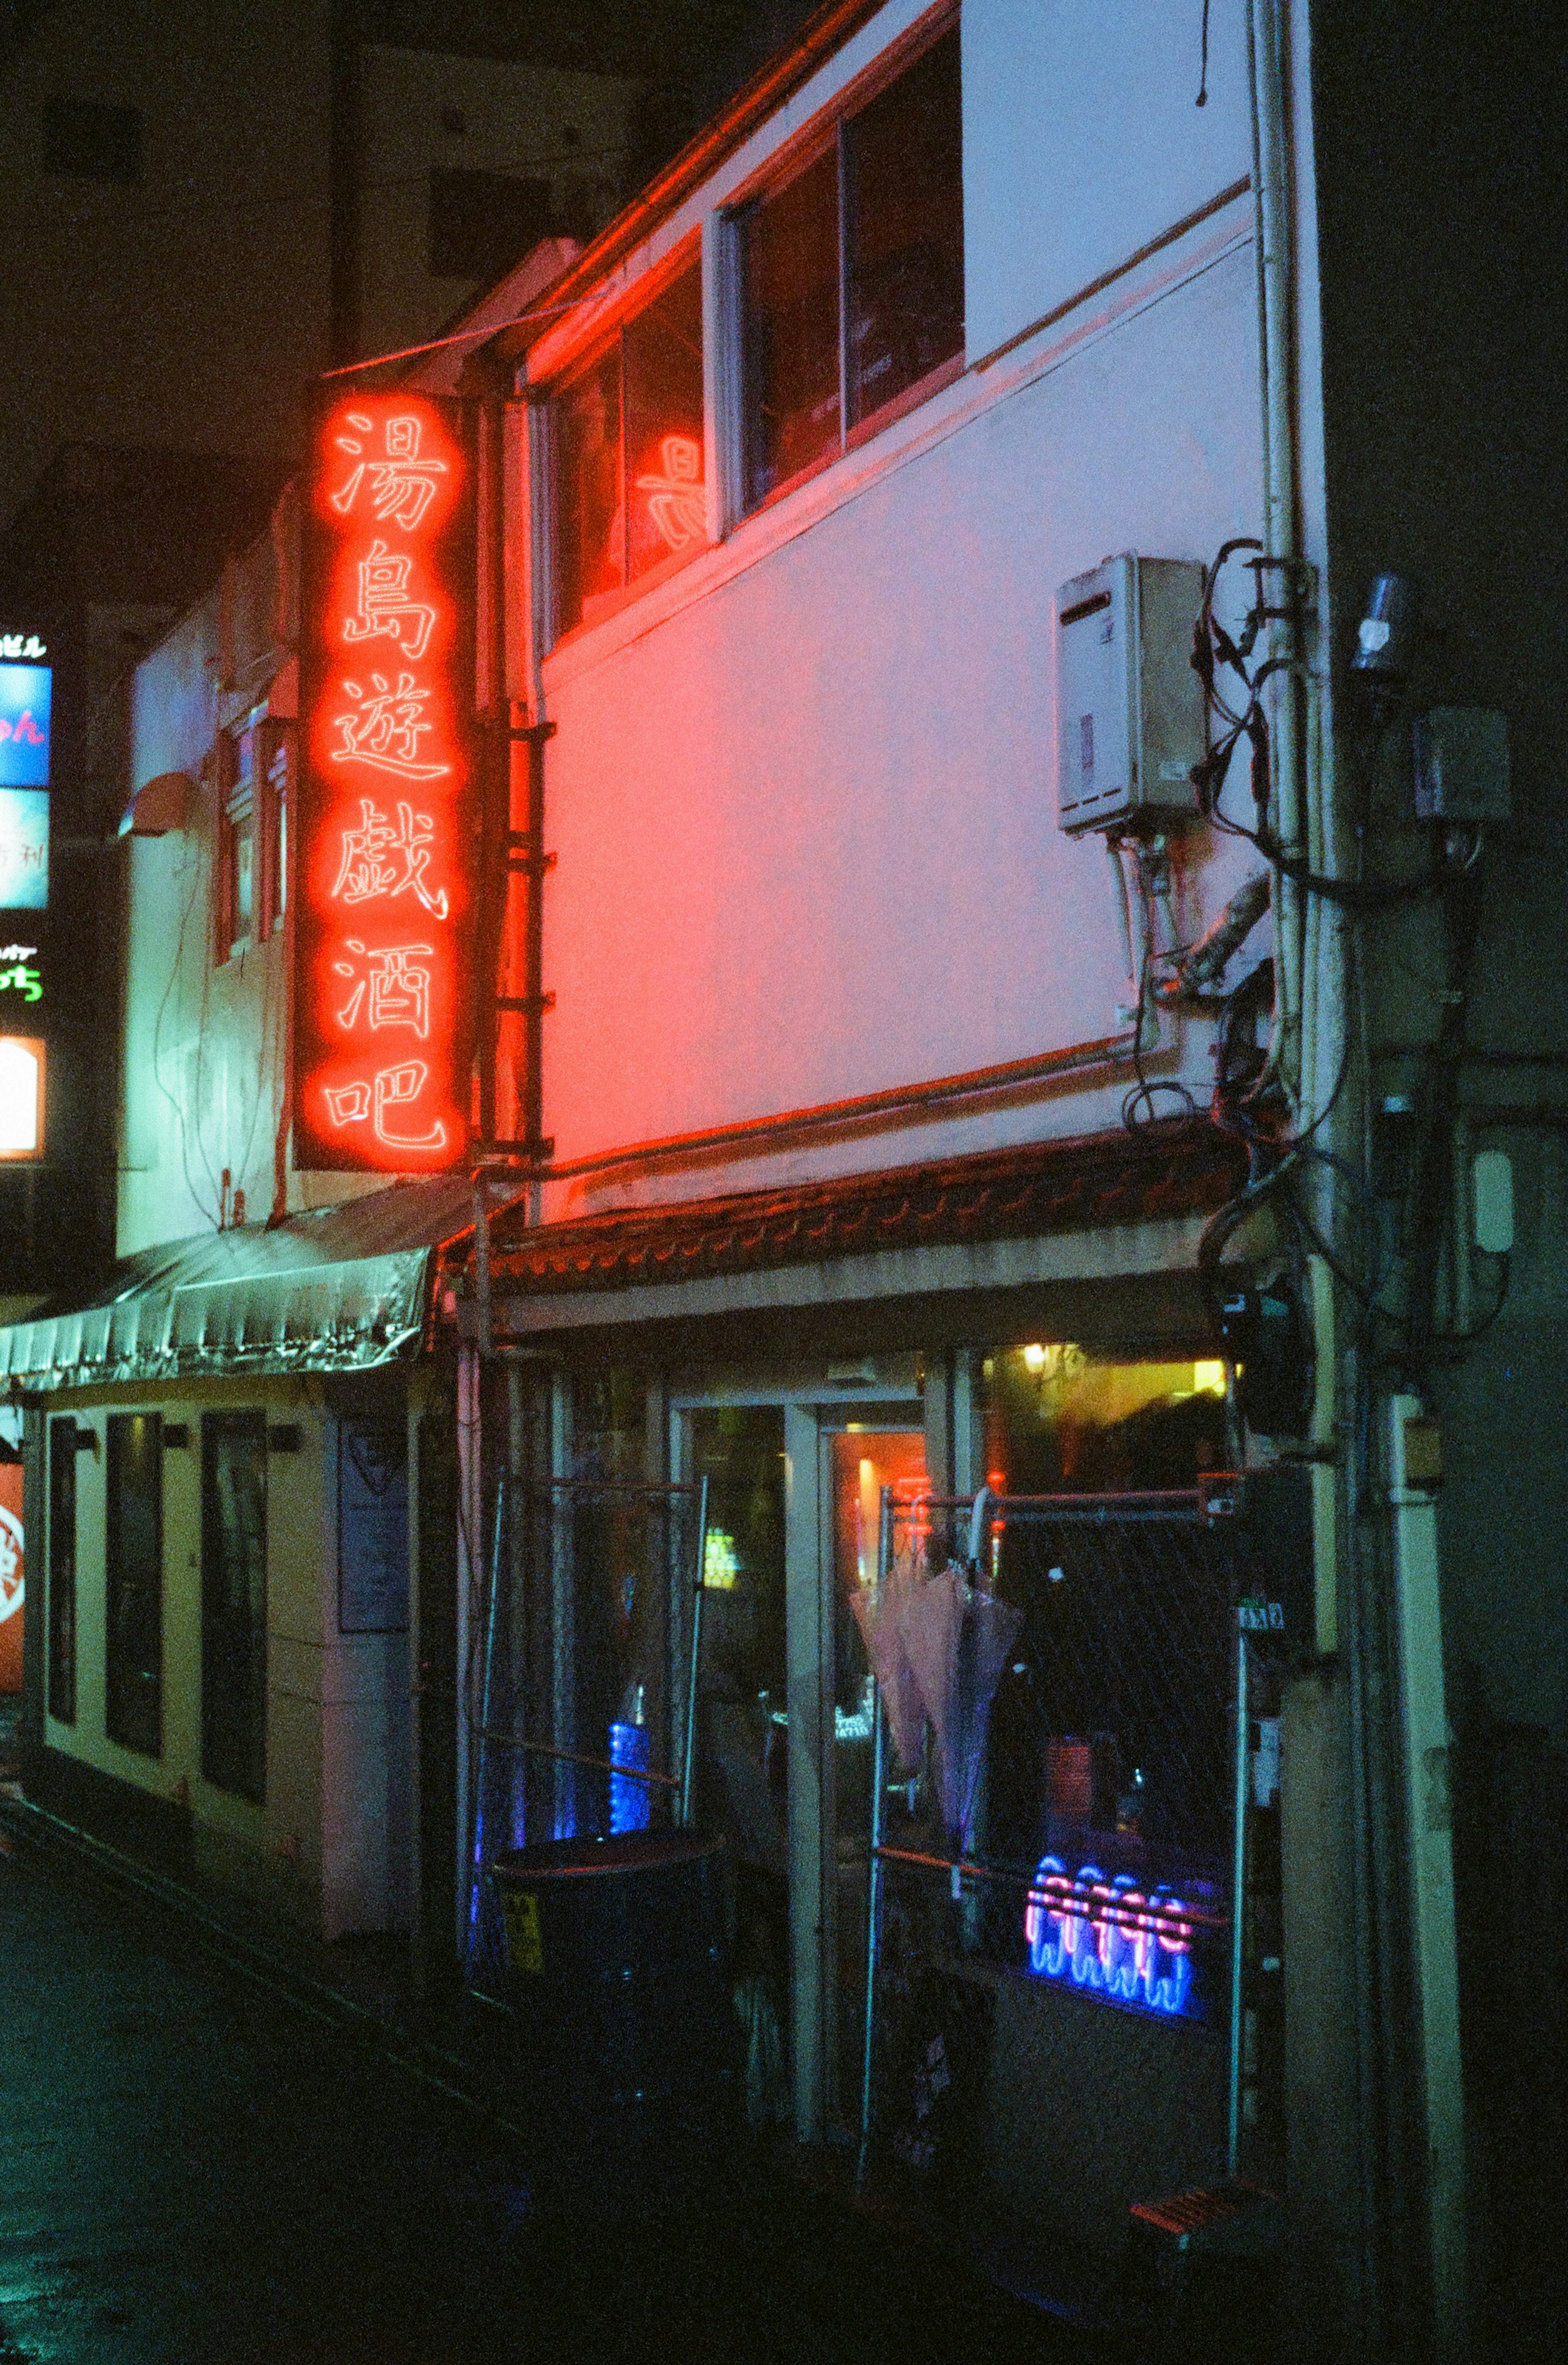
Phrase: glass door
{"type": "Point", "coordinates": [743, 1739]}
{"type": "Point", "coordinates": [783, 1726]}
{"type": "Point", "coordinates": [857, 1462]}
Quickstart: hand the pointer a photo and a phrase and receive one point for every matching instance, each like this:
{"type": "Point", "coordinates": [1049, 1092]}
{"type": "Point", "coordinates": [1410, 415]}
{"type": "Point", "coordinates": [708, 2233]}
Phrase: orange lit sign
{"type": "Point", "coordinates": [386, 847]}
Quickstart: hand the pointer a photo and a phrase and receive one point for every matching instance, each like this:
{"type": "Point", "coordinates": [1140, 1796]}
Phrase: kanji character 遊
{"type": "Point", "coordinates": [384, 728]}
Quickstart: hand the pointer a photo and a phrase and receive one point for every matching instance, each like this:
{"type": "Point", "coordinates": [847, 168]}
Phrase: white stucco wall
{"type": "Point", "coordinates": [803, 795]}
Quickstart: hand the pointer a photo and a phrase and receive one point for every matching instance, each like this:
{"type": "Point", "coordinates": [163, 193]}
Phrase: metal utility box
{"type": "Point", "coordinates": [1130, 720]}
{"type": "Point", "coordinates": [1461, 765]}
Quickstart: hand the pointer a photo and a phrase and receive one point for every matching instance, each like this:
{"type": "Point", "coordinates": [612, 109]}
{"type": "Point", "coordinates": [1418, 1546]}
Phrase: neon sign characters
{"type": "Point", "coordinates": [1111, 1939]}
{"type": "Point", "coordinates": [386, 847]}
{"type": "Point", "coordinates": [400, 484]}
{"type": "Point", "coordinates": [676, 500]}
{"type": "Point", "coordinates": [25, 702]}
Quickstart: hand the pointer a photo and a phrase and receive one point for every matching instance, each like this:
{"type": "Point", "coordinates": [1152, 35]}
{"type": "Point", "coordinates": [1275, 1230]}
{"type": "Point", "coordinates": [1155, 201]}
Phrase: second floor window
{"type": "Point", "coordinates": [852, 277]}
{"type": "Point", "coordinates": [252, 837]}
{"type": "Point", "coordinates": [626, 439]}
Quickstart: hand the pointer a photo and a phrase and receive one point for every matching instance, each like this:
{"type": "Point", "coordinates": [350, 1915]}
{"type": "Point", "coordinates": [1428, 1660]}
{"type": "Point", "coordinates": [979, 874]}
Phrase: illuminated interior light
{"type": "Point", "coordinates": [1208, 1379]}
{"type": "Point", "coordinates": [720, 1566]}
{"type": "Point", "coordinates": [21, 1096]}
{"type": "Point", "coordinates": [1034, 1359]}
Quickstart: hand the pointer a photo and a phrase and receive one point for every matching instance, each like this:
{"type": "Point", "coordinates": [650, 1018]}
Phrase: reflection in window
{"type": "Point", "coordinates": [852, 274]}
{"type": "Point", "coordinates": [627, 441]}
{"type": "Point", "coordinates": [790, 246]}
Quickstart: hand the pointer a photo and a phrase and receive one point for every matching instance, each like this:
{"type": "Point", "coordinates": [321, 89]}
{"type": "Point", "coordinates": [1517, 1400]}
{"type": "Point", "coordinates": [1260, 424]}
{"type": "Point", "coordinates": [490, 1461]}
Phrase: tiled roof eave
{"type": "Point", "coordinates": [1162, 1171]}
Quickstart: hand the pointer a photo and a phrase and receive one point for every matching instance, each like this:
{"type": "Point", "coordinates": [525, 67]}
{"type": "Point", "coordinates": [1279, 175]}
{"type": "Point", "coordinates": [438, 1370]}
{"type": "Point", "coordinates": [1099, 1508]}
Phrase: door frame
{"type": "Point", "coordinates": [812, 1416]}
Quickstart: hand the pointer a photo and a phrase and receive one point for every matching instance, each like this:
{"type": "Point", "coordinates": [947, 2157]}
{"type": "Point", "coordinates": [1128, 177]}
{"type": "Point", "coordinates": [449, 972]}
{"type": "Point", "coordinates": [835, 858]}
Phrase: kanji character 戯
{"type": "Point", "coordinates": [378, 859]}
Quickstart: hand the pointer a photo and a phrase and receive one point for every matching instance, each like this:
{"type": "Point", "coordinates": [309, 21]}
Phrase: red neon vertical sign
{"type": "Point", "coordinates": [385, 844]}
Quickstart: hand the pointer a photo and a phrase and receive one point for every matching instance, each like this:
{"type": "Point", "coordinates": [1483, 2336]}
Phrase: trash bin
{"type": "Point", "coordinates": [627, 2046]}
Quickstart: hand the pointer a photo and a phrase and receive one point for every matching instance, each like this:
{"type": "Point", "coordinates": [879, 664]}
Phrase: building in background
{"type": "Point", "coordinates": [933, 1040]}
{"type": "Point", "coordinates": [203, 208]}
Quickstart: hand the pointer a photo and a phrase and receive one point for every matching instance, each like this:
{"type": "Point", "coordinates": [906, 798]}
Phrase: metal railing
{"type": "Point", "coordinates": [1054, 1993]}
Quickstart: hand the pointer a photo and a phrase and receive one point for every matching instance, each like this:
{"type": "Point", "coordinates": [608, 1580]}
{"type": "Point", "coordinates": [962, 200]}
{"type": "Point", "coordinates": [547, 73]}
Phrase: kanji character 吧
{"type": "Point", "coordinates": [390, 1089]}
{"type": "Point", "coordinates": [384, 728]}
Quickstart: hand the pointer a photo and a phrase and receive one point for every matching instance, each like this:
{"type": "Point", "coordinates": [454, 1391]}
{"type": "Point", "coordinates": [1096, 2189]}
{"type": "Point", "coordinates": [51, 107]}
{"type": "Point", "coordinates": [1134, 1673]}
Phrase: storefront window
{"type": "Point", "coordinates": [743, 1714]}
{"type": "Point", "coordinates": [1059, 1420]}
{"type": "Point", "coordinates": [628, 467]}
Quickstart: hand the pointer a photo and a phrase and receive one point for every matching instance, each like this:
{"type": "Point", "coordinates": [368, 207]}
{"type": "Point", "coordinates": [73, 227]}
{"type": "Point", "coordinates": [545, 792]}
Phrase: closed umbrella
{"type": "Point", "coordinates": [880, 1612]}
{"type": "Point", "coordinates": [957, 1639]}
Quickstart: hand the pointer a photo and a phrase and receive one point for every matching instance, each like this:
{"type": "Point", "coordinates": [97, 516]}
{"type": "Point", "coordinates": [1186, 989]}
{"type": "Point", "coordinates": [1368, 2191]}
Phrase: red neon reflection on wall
{"type": "Point", "coordinates": [384, 842]}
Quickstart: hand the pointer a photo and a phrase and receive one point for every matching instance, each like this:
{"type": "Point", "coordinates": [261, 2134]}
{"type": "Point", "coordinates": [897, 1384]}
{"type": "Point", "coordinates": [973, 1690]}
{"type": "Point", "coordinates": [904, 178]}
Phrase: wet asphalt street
{"type": "Point", "coordinates": [195, 2171]}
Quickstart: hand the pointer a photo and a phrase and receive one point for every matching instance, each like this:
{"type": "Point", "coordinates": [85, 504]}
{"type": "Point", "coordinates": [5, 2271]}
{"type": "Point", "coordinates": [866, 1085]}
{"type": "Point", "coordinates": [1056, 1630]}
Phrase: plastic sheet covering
{"type": "Point", "coordinates": [341, 1288]}
{"type": "Point", "coordinates": [957, 1639]}
{"type": "Point", "coordinates": [880, 1612]}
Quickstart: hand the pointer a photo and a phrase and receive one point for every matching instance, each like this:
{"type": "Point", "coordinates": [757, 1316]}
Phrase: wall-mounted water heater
{"type": "Point", "coordinates": [1130, 720]}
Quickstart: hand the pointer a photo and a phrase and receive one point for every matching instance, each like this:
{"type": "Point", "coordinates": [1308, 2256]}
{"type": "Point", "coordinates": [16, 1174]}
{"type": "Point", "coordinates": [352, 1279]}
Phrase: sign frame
{"type": "Point", "coordinates": [384, 863]}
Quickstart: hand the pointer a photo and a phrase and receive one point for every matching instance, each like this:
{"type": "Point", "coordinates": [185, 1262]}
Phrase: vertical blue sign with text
{"type": "Point", "coordinates": [24, 725]}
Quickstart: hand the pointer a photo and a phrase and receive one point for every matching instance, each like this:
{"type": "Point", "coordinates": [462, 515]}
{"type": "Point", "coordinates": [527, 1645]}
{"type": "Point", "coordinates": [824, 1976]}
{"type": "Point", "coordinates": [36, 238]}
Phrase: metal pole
{"type": "Point", "coordinates": [1238, 1916]}
{"type": "Point", "coordinates": [688, 1760]}
{"type": "Point", "coordinates": [487, 1679]}
{"type": "Point", "coordinates": [873, 1862]}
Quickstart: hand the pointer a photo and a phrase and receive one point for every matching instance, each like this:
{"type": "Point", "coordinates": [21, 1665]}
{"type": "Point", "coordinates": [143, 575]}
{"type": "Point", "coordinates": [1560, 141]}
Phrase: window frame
{"type": "Point", "coordinates": [219, 1752]}
{"type": "Point", "coordinates": [274, 771]}
{"type": "Point", "coordinates": [237, 802]}
{"type": "Point", "coordinates": [60, 1561]}
{"type": "Point", "coordinates": [124, 1730]}
{"type": "Point", "coordinates": [608, 331]}
{"type": "Point", "coordinates": [822, 136]}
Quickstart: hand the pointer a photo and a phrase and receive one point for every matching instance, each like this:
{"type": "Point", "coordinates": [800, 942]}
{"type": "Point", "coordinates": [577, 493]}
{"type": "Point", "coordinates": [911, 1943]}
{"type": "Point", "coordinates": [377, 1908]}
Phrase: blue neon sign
{"type": "Point", "coordinates": [24, 725]}
{"type": "Point", "coordinates": [1109, 1938]}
